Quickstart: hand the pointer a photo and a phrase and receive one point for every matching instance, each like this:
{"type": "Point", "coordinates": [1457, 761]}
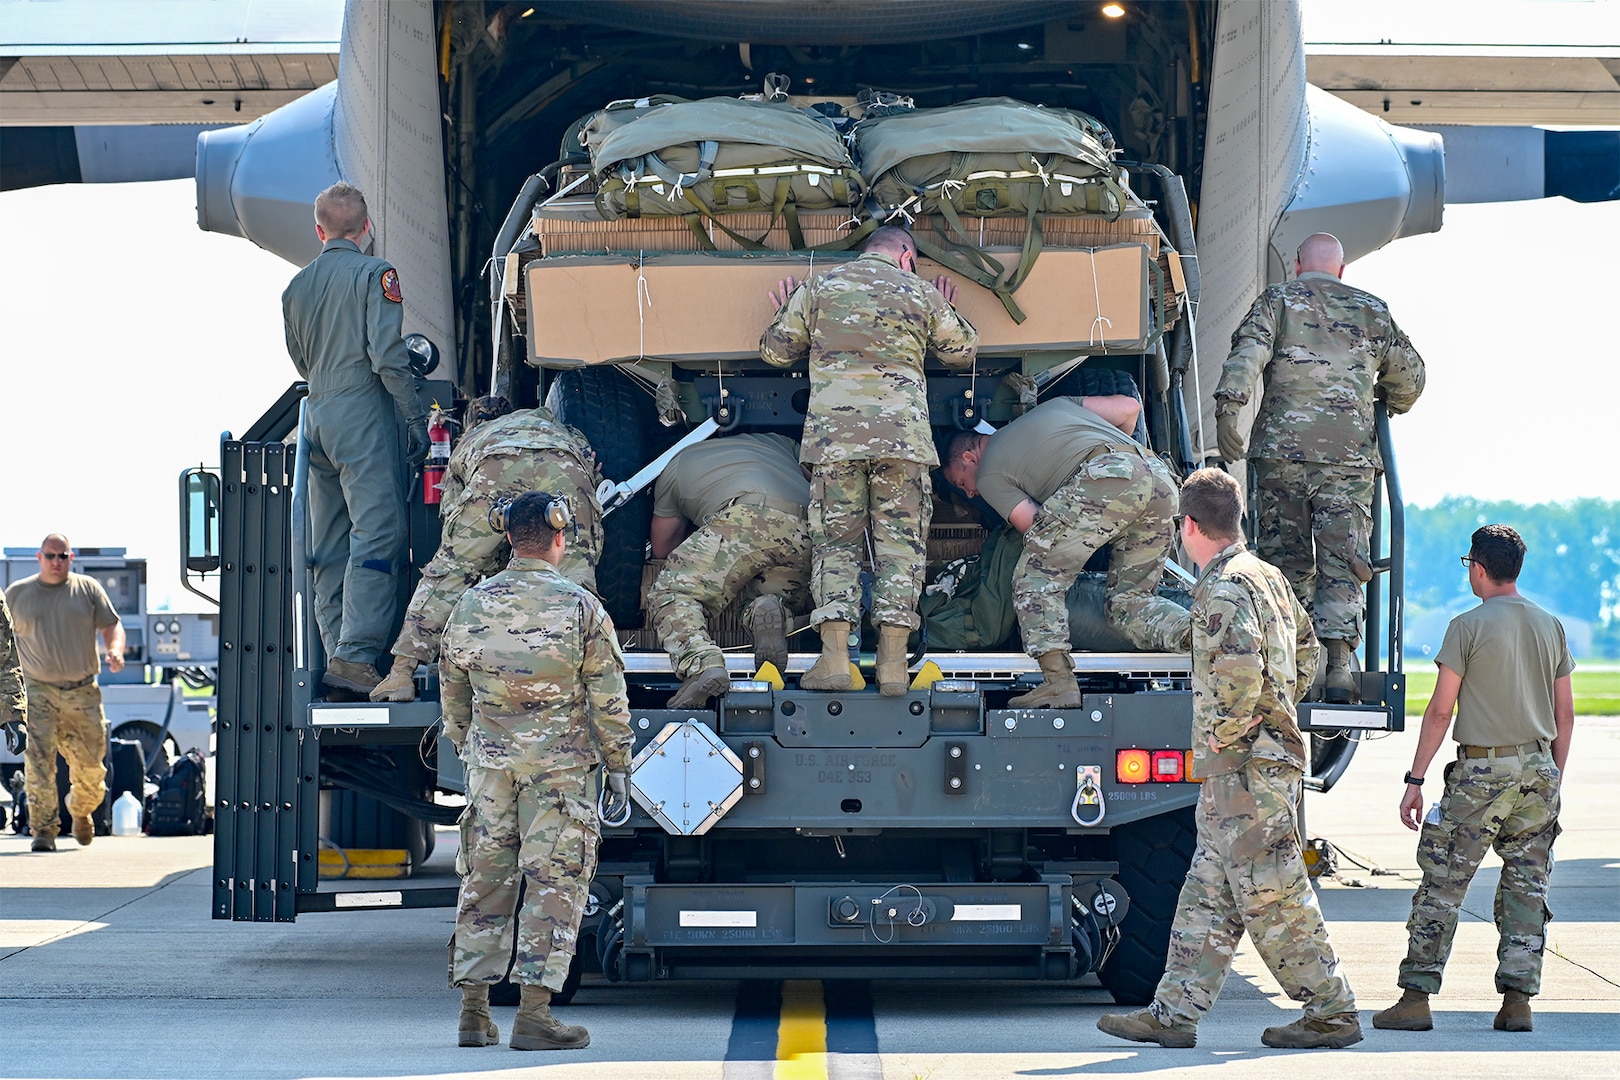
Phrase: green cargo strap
{"type": "Point", "coordinates": [1005, 283]}
{"type": "Point", "coordinates": [970, 262]}
{"type": "Point", "coordinates": [747, 244]}
{"type": "Point", "coordinates": [858, 234]}
{"type": "Point", "coordinates": [695, 223]}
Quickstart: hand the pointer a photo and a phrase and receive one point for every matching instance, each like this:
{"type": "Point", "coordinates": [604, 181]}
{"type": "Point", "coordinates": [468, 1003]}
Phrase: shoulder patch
{"type": "Point", "coordinates": [390, 285]}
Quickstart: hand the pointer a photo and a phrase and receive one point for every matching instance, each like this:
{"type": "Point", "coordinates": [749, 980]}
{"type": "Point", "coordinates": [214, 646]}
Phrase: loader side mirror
{"type": "Point", "coordinates": [199, 520]}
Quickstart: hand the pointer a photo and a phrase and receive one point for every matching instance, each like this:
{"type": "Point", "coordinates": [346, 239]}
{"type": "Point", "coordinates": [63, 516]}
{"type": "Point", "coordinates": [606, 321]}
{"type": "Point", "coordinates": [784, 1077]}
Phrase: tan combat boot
{"type": "Point", "coordinates": [400, 684]}
{"type": "Point", "coordinates": [1514, 1015]}
{"type": "Point", "coordinates": [1340, 687]}
{"type": "Point", "coordinates": [1411, 1013]}
{"type": "Point", "coordinates": [1328, 1033]}
{"type": "Point", "coordinates": [349, 675]}
{"type": "Point", "coordinates": [536, 1029]}
{"type": "Point", "coordinates": [1143, 1026]}
{"type": "Point", "coordinates": [769, 620]}
{"type": "Point", "coordinates": [84, 830]}
{"type": "Point", "coordinates": [832, 669]}
{"type": "Point", "coordinates": [696, 691]}
{"type": "Point", "coordinates": [1060, 690]}
{"type": "Point", "coordinates": [475, 1027]}
{"type": "Point", "coordinates": [891, 660]}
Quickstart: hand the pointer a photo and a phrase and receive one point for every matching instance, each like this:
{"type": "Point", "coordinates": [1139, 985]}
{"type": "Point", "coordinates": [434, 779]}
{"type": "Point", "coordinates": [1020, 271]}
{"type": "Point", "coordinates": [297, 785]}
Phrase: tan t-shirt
{"type": "Point", "coordinates": [1037, 453]}
{"type": "Point", "coordinates": [1509, 652]}
{"type": "Point", "coordinates": [56, 626]}
{"type": "Point", "coordinates": [704, 478]}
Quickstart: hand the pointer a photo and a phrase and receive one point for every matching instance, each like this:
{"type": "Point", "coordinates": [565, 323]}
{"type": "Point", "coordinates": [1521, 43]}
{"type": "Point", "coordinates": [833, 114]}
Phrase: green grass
{"type": "Point", "coordinates": [1597, 688]}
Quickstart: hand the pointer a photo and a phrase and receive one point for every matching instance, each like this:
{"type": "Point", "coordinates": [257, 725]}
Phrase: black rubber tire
{"type": "Point", "coordinates": [618, 419]}
{"type": "Point", "coordinates": [1153, 856]}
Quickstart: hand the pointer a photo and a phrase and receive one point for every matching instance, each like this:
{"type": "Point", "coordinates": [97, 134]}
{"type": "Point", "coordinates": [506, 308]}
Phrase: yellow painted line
{"type": "Point", "coordinates": [801, 1034]}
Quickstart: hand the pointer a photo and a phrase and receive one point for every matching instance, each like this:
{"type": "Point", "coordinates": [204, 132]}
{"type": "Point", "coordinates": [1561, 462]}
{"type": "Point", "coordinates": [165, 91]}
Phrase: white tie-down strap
{"type": "Point", "coordinates": [643, 302]}
{"type": "Point", "coordinates": [1101, 320]}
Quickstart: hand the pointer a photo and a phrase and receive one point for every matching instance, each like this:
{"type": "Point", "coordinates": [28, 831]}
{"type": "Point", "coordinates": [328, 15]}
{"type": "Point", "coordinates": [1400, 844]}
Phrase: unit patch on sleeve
{"type": "Point", "coordinates": [390, 285]}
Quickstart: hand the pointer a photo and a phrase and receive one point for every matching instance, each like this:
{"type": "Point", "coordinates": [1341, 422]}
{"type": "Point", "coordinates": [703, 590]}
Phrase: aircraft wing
{"type": "Point", "coordinates": [99, 91]}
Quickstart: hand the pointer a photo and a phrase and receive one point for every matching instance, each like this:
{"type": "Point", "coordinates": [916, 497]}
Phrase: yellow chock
{"type": "Point", "coordinates": [857, 681]}
{"type": "Point", "coordinates": [927, 676]}
{"type": "Point", "coordinates": [767, 673]}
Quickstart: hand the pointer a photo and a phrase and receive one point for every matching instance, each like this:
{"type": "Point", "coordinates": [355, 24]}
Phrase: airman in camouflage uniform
{"type": "Point", "coordinates": [1253, 657]}
{"type": "Point", "coordinates": [747, 494]}
{"type": "Point", "coordinates": [527, 450]}
{"type": "Point", "coordinates": [866, 327]}
{"type": "Point", "coordinates": [1327, 351]}
{"type": "Point", "coordinates": [1069, 477]}
{"type": "Point", "coordinates": [533, 693]}
{"type": "Point", "coordinates": [1505, 669]}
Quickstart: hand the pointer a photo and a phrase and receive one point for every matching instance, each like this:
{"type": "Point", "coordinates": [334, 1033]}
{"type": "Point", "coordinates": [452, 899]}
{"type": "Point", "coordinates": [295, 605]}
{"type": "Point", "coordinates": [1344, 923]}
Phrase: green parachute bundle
{"type": "Point", "coordinates": [988, 157]}
{"type": "Point", "coordinates": [704, 159]}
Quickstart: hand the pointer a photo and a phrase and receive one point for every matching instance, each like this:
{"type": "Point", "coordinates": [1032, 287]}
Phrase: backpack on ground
{"type": "Point", "coordinates": [704, 159]}
{"type": "Point", "coordinates": [179, 806]}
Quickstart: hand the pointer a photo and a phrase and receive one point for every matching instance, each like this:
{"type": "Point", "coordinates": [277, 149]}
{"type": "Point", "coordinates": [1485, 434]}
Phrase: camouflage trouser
{"type": "Point", "coordinates": [1509, 804]}
{"type": "Point", "coordinates": [470, 551]}
{"type": "Point", "coordinates": [70, 723]}
{"type": "Point", "coordinates": [538, 828]}
{"type": "Point", "coordinates": [1314, 523]}
{"type": "Point", "coordinates": [1121, 499]}
{"type": "Point", "coordinates": [896, 500]}
{"type": "Point", "coordinates": [1248, 873]}
{"type": "Point", "coordinates": [746, 551]}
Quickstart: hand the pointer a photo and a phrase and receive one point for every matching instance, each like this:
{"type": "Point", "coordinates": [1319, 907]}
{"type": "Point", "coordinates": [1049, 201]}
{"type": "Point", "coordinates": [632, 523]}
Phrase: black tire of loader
{"type": "Point", "coordinates": [1153, 856]}
{"type": "Point", "coordinates": [618, 420]}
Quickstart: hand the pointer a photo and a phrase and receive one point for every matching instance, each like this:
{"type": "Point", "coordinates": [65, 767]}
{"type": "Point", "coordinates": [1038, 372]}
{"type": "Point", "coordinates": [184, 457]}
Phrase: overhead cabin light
{"type": "Point", "coordinates": [1113, 11]}
{"type": "Point", "coordinates": [1024, 46]}
{"type": "Point", "coordinates": [527, 13]}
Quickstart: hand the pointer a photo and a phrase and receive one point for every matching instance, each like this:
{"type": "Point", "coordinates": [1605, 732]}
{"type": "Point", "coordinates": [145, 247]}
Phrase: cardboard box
{"type": "Point", "coordinates": [604, 309]}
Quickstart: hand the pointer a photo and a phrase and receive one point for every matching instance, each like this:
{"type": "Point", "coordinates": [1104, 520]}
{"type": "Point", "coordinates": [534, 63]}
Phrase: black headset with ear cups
{"type": "Point", "coordinates": [559, 515]}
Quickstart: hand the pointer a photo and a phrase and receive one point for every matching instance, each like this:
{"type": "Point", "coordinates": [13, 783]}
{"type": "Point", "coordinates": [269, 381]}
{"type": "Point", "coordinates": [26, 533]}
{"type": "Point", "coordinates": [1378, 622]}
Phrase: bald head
{"type": "Point", "coordinates": [1321, 253]}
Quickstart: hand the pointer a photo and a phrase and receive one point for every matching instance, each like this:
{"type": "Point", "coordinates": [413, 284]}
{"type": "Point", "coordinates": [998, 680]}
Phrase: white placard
{"type": "Point", "coordinates": [987, 913]}
{"type": "Point", "coordinates": [359, 716]}
{"type": "Point", "coordinates": [719, 918]}
{"type": "Point", "coordinates": [368, 899]}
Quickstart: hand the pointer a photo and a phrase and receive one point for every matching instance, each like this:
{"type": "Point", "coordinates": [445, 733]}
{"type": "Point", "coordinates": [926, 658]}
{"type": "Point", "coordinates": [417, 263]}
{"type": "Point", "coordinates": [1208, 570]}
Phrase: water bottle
{"type": "Point", "coordinates": [126, 815]}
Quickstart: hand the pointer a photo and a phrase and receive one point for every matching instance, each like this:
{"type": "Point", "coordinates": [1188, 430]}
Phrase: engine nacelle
{"type": "Point", "coordinates": [1364, 181]}
{"type": "Point", "coordinates": [259, 180]}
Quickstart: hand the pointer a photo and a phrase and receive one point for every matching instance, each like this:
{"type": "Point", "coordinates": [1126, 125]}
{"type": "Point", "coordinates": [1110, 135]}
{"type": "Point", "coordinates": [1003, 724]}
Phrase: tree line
{"type": "Point", "coordinates": [1572, 566]}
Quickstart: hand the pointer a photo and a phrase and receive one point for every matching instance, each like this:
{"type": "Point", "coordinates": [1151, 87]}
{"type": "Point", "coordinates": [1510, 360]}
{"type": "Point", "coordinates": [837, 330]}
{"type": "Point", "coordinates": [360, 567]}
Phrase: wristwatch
{"type": "Point", "coordinates": [1414, 780]}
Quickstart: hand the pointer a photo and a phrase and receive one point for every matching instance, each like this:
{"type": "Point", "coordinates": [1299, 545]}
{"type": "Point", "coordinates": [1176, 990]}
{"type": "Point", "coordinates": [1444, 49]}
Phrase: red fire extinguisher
{"type": "Point", "coordinates": [438, 457]}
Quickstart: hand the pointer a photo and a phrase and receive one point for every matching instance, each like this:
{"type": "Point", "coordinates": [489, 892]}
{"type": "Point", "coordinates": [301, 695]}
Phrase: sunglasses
{"type": "Point", "coordinates": [1177, 519]}
{"type": "Point", "coordinates": [56, 556]}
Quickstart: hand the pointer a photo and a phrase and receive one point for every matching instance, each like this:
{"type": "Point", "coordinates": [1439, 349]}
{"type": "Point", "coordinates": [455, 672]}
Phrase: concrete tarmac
{"type": "Point", "coordinates": [111, 967]}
